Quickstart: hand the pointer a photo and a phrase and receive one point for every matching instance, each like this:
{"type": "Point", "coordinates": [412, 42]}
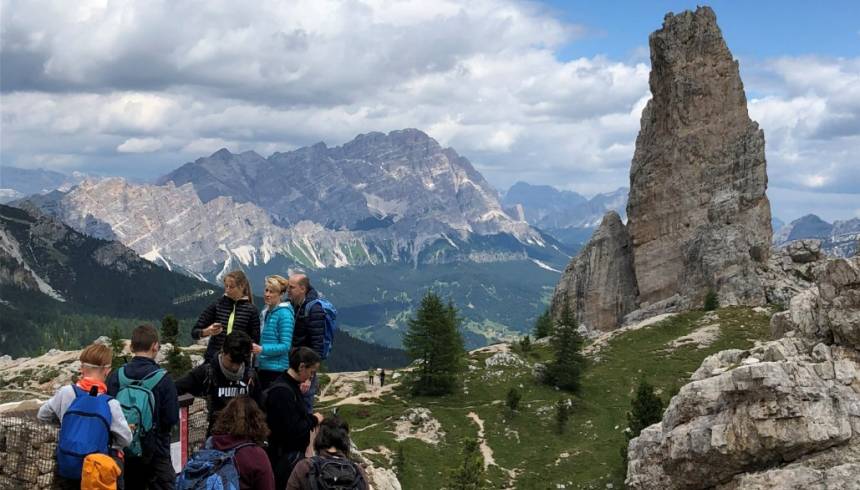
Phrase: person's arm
{"type": "Point", "coordinates": [284, 323]}
{"type": "Point", "coordinates": [264, 477]}
{"type": "Point", "coordinates": [50, 410]}
{"type": "Point", "coordinates": [193, 382]}
{"type": "Point", "coordinates": [316, 328]}
{"type": "Point", "coordinates": [206, 319]}
{"type": "Point", "coordinates": [113, 383]}
{"type": "Point", "coordinates": [119, 426]}
{"type": "Point", "coordinates": [254, 324]}
{"type": "Point", "coordinates": [287, 417]}
{"type": "Point", "coordinates": [168, 411]}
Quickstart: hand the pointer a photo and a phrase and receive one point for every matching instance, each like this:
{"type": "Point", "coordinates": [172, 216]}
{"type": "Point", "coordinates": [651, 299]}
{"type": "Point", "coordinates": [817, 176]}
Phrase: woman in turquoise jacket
{"type": "Point", "coordinates": [277, 319]}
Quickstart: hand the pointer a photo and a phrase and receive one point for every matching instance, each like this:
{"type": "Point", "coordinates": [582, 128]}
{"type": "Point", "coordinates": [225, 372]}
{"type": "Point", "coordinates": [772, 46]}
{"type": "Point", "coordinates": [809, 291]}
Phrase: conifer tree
{"type": "Point", "coordinates": [712, 301]}
{"type": "Point", "coordinates": [562, 414]}
{"type": "Point", "coordinates": [433, 339]}
{"type": "Point", "coordinates": [169, 329]}
{"type": "Point", "coordinates": [116, 346]}
{"type": "Point", "coordinates": [565, 370]}
{"type": "Point", "coordinates": [646, 409]}
{"type": "Point", "coordinates": [543, 325]}
{"type": "Point", "coordinates": [526, 344]}
{"type": "Point", "coordinates": [513, 399]}
{"type": "Point", "coordinates": [470, 474]}
{"type": "Point", "coordinates": [178, 363]}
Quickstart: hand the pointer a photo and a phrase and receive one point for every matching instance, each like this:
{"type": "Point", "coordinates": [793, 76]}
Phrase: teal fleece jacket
{"type": "Point", "coordinates": [276, 337]}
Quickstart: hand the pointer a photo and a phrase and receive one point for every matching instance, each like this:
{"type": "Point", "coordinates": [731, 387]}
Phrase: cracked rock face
{"type": "Point", "coordinates": [785, 414]}
{"type": "Point", "coordinates": [599, 284]}
{"type": "Point", "coordinates": [699, 218]}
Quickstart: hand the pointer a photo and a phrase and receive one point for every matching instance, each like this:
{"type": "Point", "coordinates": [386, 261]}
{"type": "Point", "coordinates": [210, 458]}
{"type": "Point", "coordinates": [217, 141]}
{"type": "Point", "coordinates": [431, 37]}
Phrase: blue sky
{"type": "Point", "coordinates": [547, 93]}
{"type": "Point", "coordinates": [759, 29]}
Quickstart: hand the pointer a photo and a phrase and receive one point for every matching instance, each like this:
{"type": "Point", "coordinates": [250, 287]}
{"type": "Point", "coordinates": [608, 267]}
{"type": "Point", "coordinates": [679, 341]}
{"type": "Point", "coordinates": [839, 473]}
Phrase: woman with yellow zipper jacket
{"type": "Point", "coordinates": [278, 320]}
{"type": "Point", "coordinates": [233, 311]}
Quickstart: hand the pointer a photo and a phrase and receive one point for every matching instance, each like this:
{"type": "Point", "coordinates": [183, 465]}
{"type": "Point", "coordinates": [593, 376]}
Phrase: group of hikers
{"type": "Point", "coordinates": [259, 378]}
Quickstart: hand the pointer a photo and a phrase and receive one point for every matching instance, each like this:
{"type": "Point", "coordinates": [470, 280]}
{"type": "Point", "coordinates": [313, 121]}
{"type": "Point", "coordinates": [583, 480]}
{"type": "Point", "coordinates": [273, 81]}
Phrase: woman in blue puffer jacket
{"type": "Point", "coordinates": [276, 337]}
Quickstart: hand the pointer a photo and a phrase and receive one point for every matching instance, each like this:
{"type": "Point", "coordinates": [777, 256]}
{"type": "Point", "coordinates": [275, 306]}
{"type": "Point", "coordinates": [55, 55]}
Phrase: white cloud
{"type": "Point", "coordinates": [86, 80]}
{"type": "Point", "coordinates": [139, 145]}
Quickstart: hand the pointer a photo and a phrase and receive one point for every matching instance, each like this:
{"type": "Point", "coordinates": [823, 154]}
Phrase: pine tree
{"type": "Point", "coordinates": [562, 414]}
{"type": "Point", "coordinates": [178, 363]}
{"type": "Point", "coordinates": [470, 475]}
{"type": "Point", "coordinates": [565, 370]}
{"type": "Point", "coordinates": [433, 339]}
{"type": "Point", "coordinates": [526, 344]}
{"type": "Point", "coordinates": [543, 325]}
{"type": "Point", "coordinates": [646, 409]}
{"type": "Point", "coordinates": [169, 329]}
{"type": "Point", "coordinates": [116, 346]}
{"type": "Point", "coordinates": [513, 399]}
{"type": "Point", "coordinates": [712, 302]}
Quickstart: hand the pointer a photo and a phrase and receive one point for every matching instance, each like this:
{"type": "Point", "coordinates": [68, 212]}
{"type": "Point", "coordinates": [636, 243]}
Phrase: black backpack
{"type": "Point", "coordinates": [335, 474]}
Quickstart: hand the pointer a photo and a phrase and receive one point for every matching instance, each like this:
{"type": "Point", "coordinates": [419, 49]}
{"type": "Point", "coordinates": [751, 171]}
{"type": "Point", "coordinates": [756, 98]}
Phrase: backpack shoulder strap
{"type": "Point", "coordinates": [122, 378]}
{"type": "Point", "coordinates": [152, 379]}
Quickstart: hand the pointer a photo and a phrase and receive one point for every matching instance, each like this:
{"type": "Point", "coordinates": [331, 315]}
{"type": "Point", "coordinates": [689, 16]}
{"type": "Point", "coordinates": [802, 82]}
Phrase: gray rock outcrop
{"type": "Point", "coordinates": [698, 215]}
{"type": "Point", "coordinates": [599, 285]}
{"type": "Point", "coordinates": [785, 414]}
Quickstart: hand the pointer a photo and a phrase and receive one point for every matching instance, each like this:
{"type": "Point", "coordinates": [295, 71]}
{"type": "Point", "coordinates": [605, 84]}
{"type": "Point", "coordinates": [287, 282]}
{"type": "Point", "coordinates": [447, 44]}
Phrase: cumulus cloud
{"type": "Point", "coordinates": [139, 88]}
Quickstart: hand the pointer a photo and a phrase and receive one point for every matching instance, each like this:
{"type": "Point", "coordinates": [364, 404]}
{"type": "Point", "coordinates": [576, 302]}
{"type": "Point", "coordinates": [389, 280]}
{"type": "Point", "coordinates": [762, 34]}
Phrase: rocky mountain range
{"type": "Point", "coordinates": [698, 216]}
{"type": "Point", "coordinates": [16, 183]}
{"type": "Point", "coordinates": [567, 216]}
{"type": "Point", "coordinates": [397, 208]}
{"type": "Point", "coordinates": [838, 239]}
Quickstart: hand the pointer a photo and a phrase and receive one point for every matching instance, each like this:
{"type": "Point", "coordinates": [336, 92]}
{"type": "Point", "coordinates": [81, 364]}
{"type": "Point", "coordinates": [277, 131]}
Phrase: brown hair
{"type": "Point", "coordinates": [242, 283]}
{"type": "Point", "coordinates": [242, 418]}
{"type": "Point", "coordinates": [277, 281]}
{"type": "Point", "coordinates": [143, 338]}
{"type": "Point", "coordinates": [96, 355]}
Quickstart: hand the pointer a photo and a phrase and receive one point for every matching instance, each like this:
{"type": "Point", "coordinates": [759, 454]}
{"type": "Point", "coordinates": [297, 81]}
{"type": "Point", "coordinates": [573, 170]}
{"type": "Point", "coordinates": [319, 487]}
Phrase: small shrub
{"type": "Point", "coordinates": [513, 399]}
{"type": "Point", "coordinates": [711, 301]}
{"type": "Point", "coordinates": [562, 414]}
{"type": "Point", "coordinates": [526, 344]}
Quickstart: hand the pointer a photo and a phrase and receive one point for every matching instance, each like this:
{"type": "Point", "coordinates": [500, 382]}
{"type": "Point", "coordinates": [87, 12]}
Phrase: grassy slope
{"type": "Point", "coordinates": [594, 433]}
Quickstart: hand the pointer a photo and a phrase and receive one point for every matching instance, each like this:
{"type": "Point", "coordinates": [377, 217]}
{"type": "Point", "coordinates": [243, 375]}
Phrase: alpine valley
{"type": "Point", "coordinates": [376, 223]}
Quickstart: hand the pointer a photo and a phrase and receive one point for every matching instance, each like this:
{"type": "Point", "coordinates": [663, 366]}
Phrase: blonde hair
{"type": "Point", "coordinates": [277, 282]}
{"type": "Point", "coordinates": [96, 355]}
{"type": "Point", "coordinates": [242, 283]}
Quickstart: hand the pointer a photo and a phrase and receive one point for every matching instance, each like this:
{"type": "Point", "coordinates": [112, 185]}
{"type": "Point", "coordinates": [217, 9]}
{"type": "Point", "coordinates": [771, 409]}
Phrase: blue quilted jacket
{"type": "Point", "coordinates": [276, 337]}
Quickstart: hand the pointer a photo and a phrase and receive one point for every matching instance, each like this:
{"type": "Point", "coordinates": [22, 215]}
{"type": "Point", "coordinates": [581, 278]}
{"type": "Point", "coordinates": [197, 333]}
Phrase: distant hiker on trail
{"type": "Point", "coordinates": [240, 430]}
{"type": "Point", "coordinates": [85, 412]}
{"type": "Point", "coordinates": [370, 373]}
{"type": "Point", "coordinates": [278, 320]}
{"type": "Point", "coordinates": [287, 416]}
{"type": "Point", "coordinates": [331, 462]}
{"type": "Point", "coordinates": [153, 409]}
{"type": "Point", "coordinates": [309, 330]}
{"type": "Point", "coordinates": [381, 378]}
{"type": "Point", "coordinates": [234, 310]}
{"type": "Point", "coordinates": [225, 378]}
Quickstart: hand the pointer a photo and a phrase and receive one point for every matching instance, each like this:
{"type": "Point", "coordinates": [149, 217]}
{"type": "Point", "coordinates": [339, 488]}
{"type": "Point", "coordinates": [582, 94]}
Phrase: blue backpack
{"type": "Point", "coordinates": [84, 430]}
{"type": "Point", "coordinates": [330, 323]}
{"type": "Point", "coordinates": [211, 469]}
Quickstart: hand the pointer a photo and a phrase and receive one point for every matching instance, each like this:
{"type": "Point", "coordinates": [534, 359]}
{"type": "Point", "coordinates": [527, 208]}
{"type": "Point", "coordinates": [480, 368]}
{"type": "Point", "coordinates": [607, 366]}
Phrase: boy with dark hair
{"type": "Point", "coordinates": [152, 467]}
{"type": "Point", "coordinates": [225, 377]}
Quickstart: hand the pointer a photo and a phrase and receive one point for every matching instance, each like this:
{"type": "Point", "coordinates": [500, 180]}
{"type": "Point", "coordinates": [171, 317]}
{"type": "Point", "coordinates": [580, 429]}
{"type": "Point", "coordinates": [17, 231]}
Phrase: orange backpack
{"type": "Point", "coordinates": [100, 472]}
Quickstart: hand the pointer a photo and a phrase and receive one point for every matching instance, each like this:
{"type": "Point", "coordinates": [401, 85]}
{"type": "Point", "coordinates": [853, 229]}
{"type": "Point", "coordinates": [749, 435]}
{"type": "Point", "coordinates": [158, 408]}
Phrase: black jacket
{"type": "Point", "coordinates": [247, 320]}
{"type": "Point", "coordinates": [309, 330]}
{"type": "Point", "coordinates": [166, 404]}
{"type": "Point", "coordinates": [208, 381]}
{"type": "Point", "coordinates": [290, 425]}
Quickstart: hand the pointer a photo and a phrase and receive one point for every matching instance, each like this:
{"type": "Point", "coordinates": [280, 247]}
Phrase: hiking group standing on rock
{"type": "Point", "coordinates": [259, 378]}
